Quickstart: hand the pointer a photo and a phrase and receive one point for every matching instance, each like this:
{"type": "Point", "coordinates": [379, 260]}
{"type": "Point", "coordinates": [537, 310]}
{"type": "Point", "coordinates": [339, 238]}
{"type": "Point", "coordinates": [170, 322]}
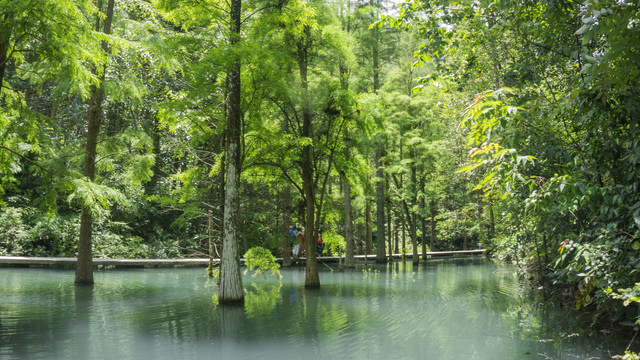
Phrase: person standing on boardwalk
{"type": "Point", "coordinates": [319, 245]}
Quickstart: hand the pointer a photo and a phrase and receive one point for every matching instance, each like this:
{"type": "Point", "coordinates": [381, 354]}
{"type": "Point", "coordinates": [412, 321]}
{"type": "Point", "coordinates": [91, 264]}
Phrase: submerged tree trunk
{"type": "Point", "coordinates": [349, 261]}
{"type": "Point", "coordinates": [312, 278]}
{"type": "Point", "coordinates": [423, 222]}
{"type": "Point", "coordinates": [414, 218]}
{"type": "Point", "coordinates": [231, 291]}
{"type": "Point", "coordinates": [221, 196]}
{"type": "Point", "coordinates": [84, 264]}
{"type": "Point", "coordinates": [391, 233]}
{"type": "Point", "coordinates": [415, 258]}
{"type": "Point", "coordinates": [369, 245]}
{"type": "Point", "coordinates": [211, 247]}
{"type": "Point", "coordinates": [286, 209]}
{"type": "Point", "coordinates": [433, 225]}
{"type": "Point", "coordinates": [380, 238]}
{"type": "Point", "coordinates": [380, 243]}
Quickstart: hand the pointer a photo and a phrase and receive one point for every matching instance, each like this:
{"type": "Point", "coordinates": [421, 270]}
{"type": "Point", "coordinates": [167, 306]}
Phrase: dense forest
{"type": "Point", "coordinates": [169, 128]}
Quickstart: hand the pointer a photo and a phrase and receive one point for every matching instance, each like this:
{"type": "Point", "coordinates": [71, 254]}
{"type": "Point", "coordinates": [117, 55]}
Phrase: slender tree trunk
{"type": "Point", "coordinates": [402, 234]}
{"type": "Point", "coordinates": [369, 245]}
{"type": "Point", "coordinates": [424, 237]}
{"type": "Point", "coordinates": [492, 224]}
{"type": "Point", "coordinates": [231, 291]}
{"type": "Point", "coordinates": [84, 264]}
{"type": "Point", "coordinates": [349, 261]}
{"type": "Point", "coordinates": [375, 52]}
{"type": "Point", "coordinates": [156, 136]}
{"type": "Point", "coordinates": [391, 231]}
{"type": "Point", "coordinates": [414, 218]}
{"type": "Point", "coordinates": [396, 236]}
{"type": "Point", "coordinates": [312, 278]}
{"type": "Point", "coordinates": [433, 225]}
{"type": "Point", "coordinates": [380, 243]}
{"type": "Point", "coordinates": [380, 238]}
{"type": "Point", "coordinates": [221, 197]}
{"type": "Point", "coordinates": [211, 247]}
{"type": "Point", "coordinates": [286, 209]}
{"type": "Point", "coordinates": [5, 39]}
{"type": "Point", "coordinates": [415, 257]}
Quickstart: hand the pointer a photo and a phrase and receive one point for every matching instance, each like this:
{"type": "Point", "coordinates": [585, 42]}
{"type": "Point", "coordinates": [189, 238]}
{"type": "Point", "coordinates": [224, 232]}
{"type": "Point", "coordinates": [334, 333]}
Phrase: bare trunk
{"type": "Point", "coordinates": [221, 197]}
{"type": "Point", "coordinates": [231, 291]}
{"type": "Point", "coordinates": [84, 264]}
{"type": "Point", "coordinates": [286, 209]}
{"type": "Point", "coordinates": [311, 279]}
{"type": "Point", "coordinates": [380, 243]}
{"type": "Point", "coordinates": [211, 248]}
{"type": "Point", "coordinates": [402, 234]}
{"type": "Point", "coordinates": [492, 226]}
{"type": "Point", "coordinates": [414, 218]}
{"type": "Point", "coordinates": [424, 238]}
{"type": "Point", "coordinates": [5, 38]}
{"type": "Point", "coordinates": [349, 260]}
{"type": "Point", "coordinates": [433, 225]}
{"type": "Point", "coordinates": [415, 258]}
{"type": "Point", "coordinates": [391, 234]}
{"type": "Point", "coordinates": [369, 245]}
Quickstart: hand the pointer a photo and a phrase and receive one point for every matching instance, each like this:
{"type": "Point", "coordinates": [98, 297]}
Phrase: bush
{"type": "Point", "coordinates": [262, 261]}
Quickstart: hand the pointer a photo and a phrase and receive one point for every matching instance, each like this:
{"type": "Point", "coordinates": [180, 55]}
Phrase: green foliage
{"type": "Point", "coordinates": [262, 261]}
{"type": "Point", "coordinates": [334, 242]}
{"type": "Point", "coordinates": [630, 295]}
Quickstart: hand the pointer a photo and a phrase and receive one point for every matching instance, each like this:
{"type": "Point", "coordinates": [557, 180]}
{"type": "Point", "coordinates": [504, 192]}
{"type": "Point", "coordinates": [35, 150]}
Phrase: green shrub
{"type": "Point", "coordinates": [262, 261]}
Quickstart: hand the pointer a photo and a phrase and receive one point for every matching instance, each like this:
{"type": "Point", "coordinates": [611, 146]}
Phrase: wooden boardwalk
{"type": "Point", "coordinates": [47, 262]}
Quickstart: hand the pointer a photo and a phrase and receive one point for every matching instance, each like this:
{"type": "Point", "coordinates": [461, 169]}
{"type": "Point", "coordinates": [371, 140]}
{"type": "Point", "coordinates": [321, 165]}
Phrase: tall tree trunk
{"type": "Point", "coordinates": [415, 258]}
{"type": "Point", "coordinates": [221, 196]}
{"type": "Point", "coordinates": [396, 235]}
{"type": "Point", "coordinates": [391, 233]}
{"type": "Point", "coordinates": [211, 247]}
{"type": "Point", "coordinates": [433, 225]}
{"type": "Point", "coordinates": [380, 238]}
{"type": "Point", "coordinates": [84, 264]}
{"type": "Point", "coordinates": [414, 218]}
{"type": "Point", "coordinates": [231, 291]}
{"type": "Point", "coordinates": [492, 224]}
{"type": "Point", "coordinates": [423, 205]}
{"type": "Point", "coordinates": [424, 237]}
{"type": "Point", "coordinates": [349, 261]}
{"type": "Point", "coordinates": [311, 279]}
{"type": "Point", "coordinates": [369, 245]}
{"type": "Point", "coordinates": [403, 223]}
{"type": "Point", "coordinates": [380, 243]}
{"type": "Point", "coordinates": [375, 50]}
{"type": "Point", "coordinates": [156, 136]}
{"type": "Point", "coordinates": [5, 38]}
{"type": "Point", "coordinates": [286, 209]}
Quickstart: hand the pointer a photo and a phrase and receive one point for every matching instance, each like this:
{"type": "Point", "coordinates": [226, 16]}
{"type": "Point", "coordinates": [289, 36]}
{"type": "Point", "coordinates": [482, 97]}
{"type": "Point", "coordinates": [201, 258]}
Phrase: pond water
{"type": "Point", "coordinates": [445, 309]}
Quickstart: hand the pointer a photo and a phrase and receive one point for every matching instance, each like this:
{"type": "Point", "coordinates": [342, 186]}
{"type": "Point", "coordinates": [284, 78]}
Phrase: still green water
{"type": "Point", "coordinates": [446, 309]}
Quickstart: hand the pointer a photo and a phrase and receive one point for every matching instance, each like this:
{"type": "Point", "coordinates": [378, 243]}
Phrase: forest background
{"type": "Point", "coordinates": [430, 125]}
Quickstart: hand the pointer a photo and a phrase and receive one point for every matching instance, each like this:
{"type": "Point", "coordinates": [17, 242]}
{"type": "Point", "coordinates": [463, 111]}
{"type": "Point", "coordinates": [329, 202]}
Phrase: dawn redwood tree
{"type": "Point", "coordinates": [84, 265]}
{"type": "Point", "coordinates": [312, 103]}
{"type": "Point", "coordinates": [230, 278]}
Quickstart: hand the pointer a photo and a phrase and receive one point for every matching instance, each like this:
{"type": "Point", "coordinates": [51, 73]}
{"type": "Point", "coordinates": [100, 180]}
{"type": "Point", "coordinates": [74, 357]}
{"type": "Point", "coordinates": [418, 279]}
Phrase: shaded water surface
{"type": "Point", "coordinates": [446, 309]}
